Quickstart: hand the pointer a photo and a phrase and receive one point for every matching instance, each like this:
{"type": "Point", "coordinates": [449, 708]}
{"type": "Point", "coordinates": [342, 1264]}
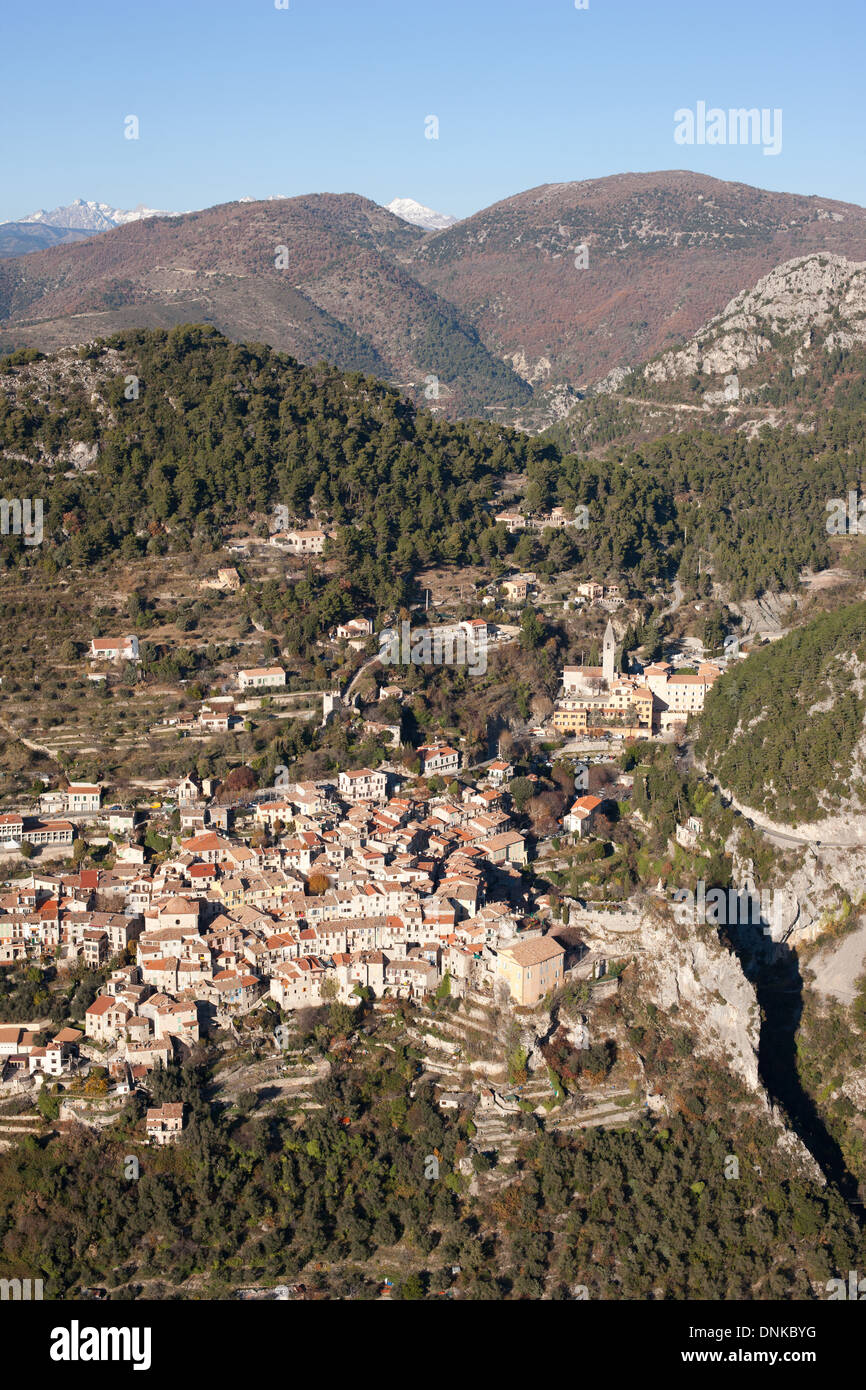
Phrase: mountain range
{"type": "Point", "coordinates": [514, 311]}
{"type": "Point", "coordinates": [88, 218]}
{"type": "Point", "coordinates": [92, 217]}
{"type": "Point", "coordinates": [63, 225]}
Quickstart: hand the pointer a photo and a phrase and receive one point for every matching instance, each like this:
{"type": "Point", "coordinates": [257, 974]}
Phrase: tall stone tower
{"type": "Point", "coordinates": [608, 653]}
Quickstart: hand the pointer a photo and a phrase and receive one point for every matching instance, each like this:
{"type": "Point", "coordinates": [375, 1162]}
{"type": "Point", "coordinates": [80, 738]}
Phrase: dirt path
{"type": "Point", "coordinates": [371, 661]}
{"type": "Point", "coordinates": [19, 738]}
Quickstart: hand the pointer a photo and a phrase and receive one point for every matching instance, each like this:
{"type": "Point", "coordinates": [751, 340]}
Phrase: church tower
{"type": "Point", "coordinates": [608, 653]}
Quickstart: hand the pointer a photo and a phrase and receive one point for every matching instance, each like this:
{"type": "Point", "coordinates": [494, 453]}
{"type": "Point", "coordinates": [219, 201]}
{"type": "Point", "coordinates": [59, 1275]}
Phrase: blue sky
{"type": "Point", "coordinates": [236, 97]}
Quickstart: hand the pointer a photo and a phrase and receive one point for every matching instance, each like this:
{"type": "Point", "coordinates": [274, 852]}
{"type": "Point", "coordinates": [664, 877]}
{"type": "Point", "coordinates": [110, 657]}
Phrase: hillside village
{"type": "Point", "coordinates": [368, 885]}
{"type": "Point", "coordinates": [442, 841]}
{"type": "Point", "coordinates": [423, 805]}
{"type": "Point", "coordinates": [415, 894]}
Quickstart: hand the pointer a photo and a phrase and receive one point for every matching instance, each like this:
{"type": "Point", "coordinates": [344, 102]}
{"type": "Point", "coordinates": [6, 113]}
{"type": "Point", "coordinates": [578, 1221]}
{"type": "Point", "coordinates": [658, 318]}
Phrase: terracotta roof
{"type": "Point", "coordinates": [103, 1003]}
{"type": "Point", "coordinates": [527, 953]}
{"type": "Point", "coordinates": [510, 837]}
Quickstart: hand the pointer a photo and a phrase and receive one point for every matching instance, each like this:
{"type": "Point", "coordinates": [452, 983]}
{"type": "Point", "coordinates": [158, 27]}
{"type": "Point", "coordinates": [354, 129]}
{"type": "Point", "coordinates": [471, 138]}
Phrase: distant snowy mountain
{"type": "Point", "coordinates": [139, 214]}
{"type": "Point", "coordinates": [410, 211]}
{"type": "Point", "coordinates": [93, 217]}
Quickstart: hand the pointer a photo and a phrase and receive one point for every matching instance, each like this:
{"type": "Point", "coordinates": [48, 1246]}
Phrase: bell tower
{"type": "Point", "coordinates": [608, 653]}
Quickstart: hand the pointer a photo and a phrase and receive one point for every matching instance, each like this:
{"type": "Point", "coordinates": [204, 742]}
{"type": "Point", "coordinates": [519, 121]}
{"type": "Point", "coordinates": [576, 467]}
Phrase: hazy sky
{"type": "Point", "coordinates": [237, 97]}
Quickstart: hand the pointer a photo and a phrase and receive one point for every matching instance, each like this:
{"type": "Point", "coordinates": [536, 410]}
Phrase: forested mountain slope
{"type": "Point", "coordinates": [783, 730]}
{"type": "Point", "coordinates": [156, 441]}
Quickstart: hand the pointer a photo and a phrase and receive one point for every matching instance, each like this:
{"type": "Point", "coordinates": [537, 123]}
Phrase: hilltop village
{"type": "Point", "coordinates": [371, 884]}
{"type": "Point", "coordinates": [310, 894]}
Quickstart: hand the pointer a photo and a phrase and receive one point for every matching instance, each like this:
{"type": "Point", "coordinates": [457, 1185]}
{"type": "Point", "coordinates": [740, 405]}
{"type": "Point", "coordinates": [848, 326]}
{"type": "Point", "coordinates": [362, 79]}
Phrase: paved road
{"type": "Point", "coordinates": [679, 595]}
{"type": "Point", "coordinates": [783, 838]}
{"type": "Point", "coordinates": [779, 837]}
{"type": "Point", "coordinates": [371, 661]}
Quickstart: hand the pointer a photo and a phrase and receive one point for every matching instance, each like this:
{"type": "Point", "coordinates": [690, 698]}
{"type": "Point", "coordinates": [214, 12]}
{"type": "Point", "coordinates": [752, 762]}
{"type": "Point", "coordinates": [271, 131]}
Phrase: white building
{"type": "Point", "coordinates": [261, 678]}
{"type": "Point", "coordinates": [363, 785]}
{"type": "Point", "coordinates": [164, 1123]}
{"type": "Point", "coordinates": [676, 696]}
{"type": "Point", "coordinates": [581, 817]}
{"type": "Point", "coordinates": [82, 797]}
{"type": "Point", "coordinates": [306, 542]}
{"type": "Point", "coordinates": [439, 759]}
{"type": "Point", "coordinates": [355, 627]}
{"type": "Point", "coordinates": [114, 648]}
{"type": "Point", "coordinates": [512, 521]}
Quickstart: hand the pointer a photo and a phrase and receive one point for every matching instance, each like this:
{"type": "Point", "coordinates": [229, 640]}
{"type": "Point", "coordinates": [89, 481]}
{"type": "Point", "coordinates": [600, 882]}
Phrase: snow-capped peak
{"type": "Point", "coordinates": [93, 217]}
{"type": "Point", "coordinates": [139, 214]}
{"type": "Point", "coordinates": [419, 216]}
